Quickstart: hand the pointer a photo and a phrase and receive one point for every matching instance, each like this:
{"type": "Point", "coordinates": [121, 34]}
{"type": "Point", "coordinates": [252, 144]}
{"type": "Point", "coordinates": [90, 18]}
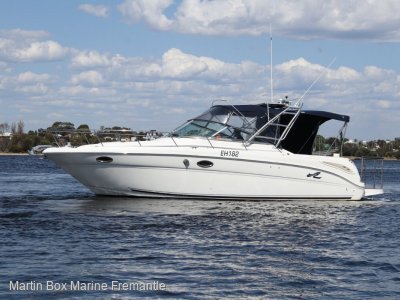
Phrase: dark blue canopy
{"type": "Point", "coordinates": [300, 138]}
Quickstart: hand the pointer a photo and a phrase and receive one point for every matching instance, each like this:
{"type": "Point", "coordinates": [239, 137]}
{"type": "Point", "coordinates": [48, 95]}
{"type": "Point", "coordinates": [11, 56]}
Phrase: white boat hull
{"type": "Point", "coordinates": [163, 168]}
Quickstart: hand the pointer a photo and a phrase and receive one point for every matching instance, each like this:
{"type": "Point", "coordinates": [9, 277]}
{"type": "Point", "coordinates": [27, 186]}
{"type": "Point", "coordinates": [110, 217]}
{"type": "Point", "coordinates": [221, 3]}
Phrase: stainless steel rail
{"type": "Point", "coordinates": [372, 171]}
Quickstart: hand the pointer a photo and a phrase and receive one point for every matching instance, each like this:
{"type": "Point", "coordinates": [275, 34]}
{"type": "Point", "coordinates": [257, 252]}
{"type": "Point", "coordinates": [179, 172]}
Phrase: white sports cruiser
{"type": "Point", "coordinates": [254, 152]}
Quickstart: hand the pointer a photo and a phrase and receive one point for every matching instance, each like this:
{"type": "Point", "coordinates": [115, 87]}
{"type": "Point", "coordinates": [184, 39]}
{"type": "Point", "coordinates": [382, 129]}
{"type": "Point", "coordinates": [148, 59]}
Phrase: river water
{"type": "Point", "coordinates": [55, 234]}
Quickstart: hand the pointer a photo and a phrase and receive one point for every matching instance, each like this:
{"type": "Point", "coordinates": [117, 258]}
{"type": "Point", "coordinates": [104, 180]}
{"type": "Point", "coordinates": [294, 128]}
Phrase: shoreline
{"type": "Point", "coordinates": [384, 158]}
{"type": "Point", "coordinates": [21, 154]}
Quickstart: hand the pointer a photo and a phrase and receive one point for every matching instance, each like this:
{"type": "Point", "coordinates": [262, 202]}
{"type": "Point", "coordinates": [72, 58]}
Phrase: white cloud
{"type": "Point", "coordinates": [87, 78]}
{"type": "Point", "coordinates": [56, 116]}
{"type": "Point", "coordinates": [38, 88]}
{"type": "Point", "coordinates": [180, 66]}
{"type": "Point", "coordinates": [26, 46]}
{"type": "Point", "coordinates": [216, 17]}
{"type": "Point", "coordinates": [149, 11]}
{"type": "Point", "coordinates": [344, 74]}
{"type": "Point", "coordinates": [178, 110]}
{"type": "Point", "coordinates": [26, 82]}
{"type": "Point", "coordinates": [85, 93]}
{"type": "Point", "coordinates": [176, 64]}
{"type": "Point", "coordinates": [90, 59]}
{"type": "Point", "coordinates": [96, 10]}
{"type": "Point", "coordinates": [162, 92]}
{"type": "Point", "coordinates": [41, 51]}
{"type": "Point", "coordinates": [306, 19]}
{"type": "Point", "coordinates": [17, 33]}
{"type": "Point", "coordinates": [297, 73]}
{"type": "Point", "coordinates": [383, 104]}
{"type": "Point", "coordinates": [30, 77]}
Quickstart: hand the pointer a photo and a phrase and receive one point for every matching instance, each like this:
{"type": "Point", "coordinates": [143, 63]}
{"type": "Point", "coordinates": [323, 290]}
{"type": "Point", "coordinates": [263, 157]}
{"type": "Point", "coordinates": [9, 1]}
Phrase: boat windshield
{"type": "Point", "coordinates": [219, 122]}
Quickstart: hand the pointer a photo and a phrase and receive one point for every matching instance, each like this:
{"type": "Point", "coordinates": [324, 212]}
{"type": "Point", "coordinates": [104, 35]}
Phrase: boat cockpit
{"type": "Point", "coordinates": [282, 125]}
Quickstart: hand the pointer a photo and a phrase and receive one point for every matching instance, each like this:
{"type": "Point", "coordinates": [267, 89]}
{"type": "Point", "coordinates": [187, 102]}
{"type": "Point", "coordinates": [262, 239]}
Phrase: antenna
{"type": "Point", "coordinates": [271, 78]}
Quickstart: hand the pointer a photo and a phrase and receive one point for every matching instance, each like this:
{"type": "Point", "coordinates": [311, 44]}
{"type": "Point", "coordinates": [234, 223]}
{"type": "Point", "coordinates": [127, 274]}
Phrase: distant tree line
{"type": "Point", "coordinates": [387, 150]}
{"type": "Point", "coordinates": [21, 142]}
{"type": "Point", "coordinates": [65, 132]}
{"type": "Point", "coordinates": [14, 128]}
{"type": "Point", "coordinates": [60, 133]}
{"type": "Point", "coordinates": [377, 148]}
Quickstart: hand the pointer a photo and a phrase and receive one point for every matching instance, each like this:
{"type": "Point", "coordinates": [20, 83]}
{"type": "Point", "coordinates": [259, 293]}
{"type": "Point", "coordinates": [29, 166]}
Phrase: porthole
{"type": "Point", "coordinates": [205, 164]}
{"type": "Point", "coordinates": [104, 159]}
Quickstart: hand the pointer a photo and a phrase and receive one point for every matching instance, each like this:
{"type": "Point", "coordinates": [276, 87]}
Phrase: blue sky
{"type": "Point", "coordinates": [153, 64]}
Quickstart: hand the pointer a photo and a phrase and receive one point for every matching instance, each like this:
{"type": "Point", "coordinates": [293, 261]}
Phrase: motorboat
{"type": "Point", "coordinates": [38, 150]}
{"type": "Point", "coordinates": [249, 151]}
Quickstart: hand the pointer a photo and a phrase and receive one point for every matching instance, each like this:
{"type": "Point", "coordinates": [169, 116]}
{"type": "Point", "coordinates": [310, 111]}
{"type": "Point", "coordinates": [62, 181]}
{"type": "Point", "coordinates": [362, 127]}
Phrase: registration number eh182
{"type": "Point", "coordinates": [230, 153]}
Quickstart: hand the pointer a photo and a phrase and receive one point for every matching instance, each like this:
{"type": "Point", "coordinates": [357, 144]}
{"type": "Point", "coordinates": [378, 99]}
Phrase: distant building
{"type": "Point", "coordinates": [116, 134]}
{"type": "Point", "coordinates": [152, 135]}
{"type": "Point", "coordinates": [5, 135]}
{"type": "Point", "coordinates": [63, 128]}
{"type": "Point", "coordinates": [350, 142]}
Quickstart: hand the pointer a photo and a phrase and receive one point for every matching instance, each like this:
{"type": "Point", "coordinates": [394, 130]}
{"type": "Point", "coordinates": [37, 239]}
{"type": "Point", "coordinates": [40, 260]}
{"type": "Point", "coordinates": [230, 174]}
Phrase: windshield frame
{"type": "Point", "coordinates": [213, 126]}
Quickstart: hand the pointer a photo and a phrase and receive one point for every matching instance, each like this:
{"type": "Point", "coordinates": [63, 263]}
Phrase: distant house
{"type": "Point", "coordinates": [152, 135]}
{"type": "Point", "coordinates": [116, 134]}
{"type": "Point", "coordinates": [6, 135]}
{"type": "Point", "coordinates": [350, 142]}
{"type": "Point", "coordinates": [63, 128]}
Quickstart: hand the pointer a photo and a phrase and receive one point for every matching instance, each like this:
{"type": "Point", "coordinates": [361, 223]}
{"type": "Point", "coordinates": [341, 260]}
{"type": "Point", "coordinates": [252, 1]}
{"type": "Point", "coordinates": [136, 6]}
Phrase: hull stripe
{"type": "Point", "coordinates": [152, 194]}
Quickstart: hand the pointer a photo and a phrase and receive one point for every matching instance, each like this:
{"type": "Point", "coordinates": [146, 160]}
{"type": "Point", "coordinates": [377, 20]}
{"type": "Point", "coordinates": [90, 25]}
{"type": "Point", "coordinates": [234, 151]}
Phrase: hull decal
{"type": "Point", "coordinates": [314, 175]}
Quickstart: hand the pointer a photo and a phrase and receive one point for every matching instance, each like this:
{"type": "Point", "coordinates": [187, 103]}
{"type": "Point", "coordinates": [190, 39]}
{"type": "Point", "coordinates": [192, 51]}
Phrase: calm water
{"type": "Point", "coordinates": [53, 229]}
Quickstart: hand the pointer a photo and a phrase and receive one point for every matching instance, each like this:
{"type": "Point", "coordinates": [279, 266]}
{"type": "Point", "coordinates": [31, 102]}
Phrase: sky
{"type": "Point", "coordinates": [153, 64]}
